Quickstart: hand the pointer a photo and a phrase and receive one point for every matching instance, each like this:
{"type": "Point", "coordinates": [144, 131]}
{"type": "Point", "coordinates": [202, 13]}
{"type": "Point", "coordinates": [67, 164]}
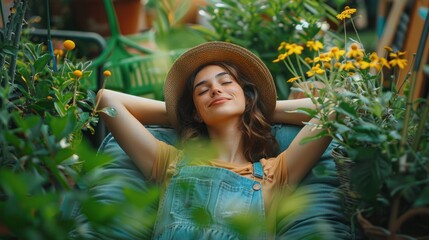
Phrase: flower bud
{"type": "Point", "coordinates": [69, 45]}
{"type": "Point", "coordinates": [77, 73]}
{"type": "Point", "coordinates": [107, 73]}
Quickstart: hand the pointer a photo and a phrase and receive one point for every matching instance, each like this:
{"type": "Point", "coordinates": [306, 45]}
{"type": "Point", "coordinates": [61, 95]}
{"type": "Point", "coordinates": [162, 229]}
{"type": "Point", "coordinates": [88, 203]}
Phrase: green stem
{"type": "Point", "coordinates": [357, 34]}
{"type": "Point", "coordinates": [75, 91]}
{"type": "Point", "coordinates": [408, 110]}
{"type": "Point", "coordinates": [289, 65]}
{"type": "Point", "coordinates": [421, 125]}
{"type": "Point", "coordinates": [299, 67]}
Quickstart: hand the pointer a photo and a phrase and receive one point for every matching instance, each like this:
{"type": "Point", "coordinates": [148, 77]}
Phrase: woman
{"type": "Point", "coordinates": [225, 94]}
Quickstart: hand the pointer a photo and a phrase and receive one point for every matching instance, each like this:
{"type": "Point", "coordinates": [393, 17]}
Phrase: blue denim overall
{"type": "Point", "coordinates": [201, 202]}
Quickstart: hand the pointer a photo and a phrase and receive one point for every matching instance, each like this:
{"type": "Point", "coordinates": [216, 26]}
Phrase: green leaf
{"type": "Point", "coordinates": [321, 134]}
{"type": "Point", "coordinates": [341, 128]}
{"type": "Point", "coordinates": [109, 111]}
{"type": "Point", "coordinates": [91, 160]}
{"type": "Point", "coordinates": [423, 198]}
{"type": "Point", "coordinates": [310, 112]}
{"type": "Point", "coordinates": [60, 108]}
{"type": "Point", "coordinates": [368, 175]}
{"type": "Point", "coordinates": [41, 62]}
{"type": "Point", "coordinates": [91, 96]}
{"type": "Point", "coordinates": [65, 84]}
{"type": "Point", "coordinates": [61, 126]}
{"type": "Point", "coordinates": [346, 109]}
{"type": "Point", "coordinates": [27, 123]}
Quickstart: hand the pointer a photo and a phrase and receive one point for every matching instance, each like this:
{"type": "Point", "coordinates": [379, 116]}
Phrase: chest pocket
{"type": "Point", "coordinates": [191, 198]}
{"type": "Point", "coordinates": [232, 201]}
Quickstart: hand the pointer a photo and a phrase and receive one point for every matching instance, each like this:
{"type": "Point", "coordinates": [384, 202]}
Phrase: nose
{"type": "Point", "coordinates": [215, 90]}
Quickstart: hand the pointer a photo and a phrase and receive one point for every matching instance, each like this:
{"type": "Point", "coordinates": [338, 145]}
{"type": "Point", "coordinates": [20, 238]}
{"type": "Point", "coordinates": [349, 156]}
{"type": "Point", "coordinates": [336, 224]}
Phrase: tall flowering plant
{"type": "Point", "coordinates": [372, 117]}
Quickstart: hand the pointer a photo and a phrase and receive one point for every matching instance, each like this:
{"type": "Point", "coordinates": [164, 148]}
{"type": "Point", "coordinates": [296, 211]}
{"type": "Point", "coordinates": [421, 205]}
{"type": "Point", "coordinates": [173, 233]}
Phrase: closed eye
{"type": "Point", "coordinates": [202, 92]}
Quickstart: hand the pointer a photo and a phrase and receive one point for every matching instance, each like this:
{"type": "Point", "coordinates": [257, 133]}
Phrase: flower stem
{"type": "Point", "coordinates": [421, 124]}
{"type": "Point", "coordinates": [75, 91]}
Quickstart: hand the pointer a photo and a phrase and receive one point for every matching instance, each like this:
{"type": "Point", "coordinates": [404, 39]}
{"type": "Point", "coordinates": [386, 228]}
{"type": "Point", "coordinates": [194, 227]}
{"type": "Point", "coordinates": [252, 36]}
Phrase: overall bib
{"type": "Point", "coordinates": [201, 202]}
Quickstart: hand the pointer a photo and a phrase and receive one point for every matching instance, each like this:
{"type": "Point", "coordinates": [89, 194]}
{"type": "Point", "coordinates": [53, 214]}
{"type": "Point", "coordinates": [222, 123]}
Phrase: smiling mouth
{"type": "Point", "coordinates": [218, 101]}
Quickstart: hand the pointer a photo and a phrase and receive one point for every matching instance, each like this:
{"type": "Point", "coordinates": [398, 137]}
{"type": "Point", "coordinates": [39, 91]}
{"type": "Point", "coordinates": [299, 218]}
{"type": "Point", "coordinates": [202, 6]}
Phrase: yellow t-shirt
{"type": "Point", "coordinates": [275, 170]}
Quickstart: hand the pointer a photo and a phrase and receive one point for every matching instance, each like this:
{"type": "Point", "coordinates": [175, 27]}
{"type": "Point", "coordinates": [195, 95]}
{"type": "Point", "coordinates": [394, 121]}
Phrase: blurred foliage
{"type": "Point", "coordinates": [44, 158]}
{"type": "Point", "coordinates": [170, 30]}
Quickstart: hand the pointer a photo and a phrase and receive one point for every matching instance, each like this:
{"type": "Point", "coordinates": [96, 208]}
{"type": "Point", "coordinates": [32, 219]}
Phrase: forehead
{"type": "Point", "coordinates": [210, 72]}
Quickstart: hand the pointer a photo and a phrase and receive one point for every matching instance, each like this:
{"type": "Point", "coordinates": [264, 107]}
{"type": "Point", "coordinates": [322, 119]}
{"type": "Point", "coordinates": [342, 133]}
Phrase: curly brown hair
{"type": "Point", "coordinates": [257, 138]}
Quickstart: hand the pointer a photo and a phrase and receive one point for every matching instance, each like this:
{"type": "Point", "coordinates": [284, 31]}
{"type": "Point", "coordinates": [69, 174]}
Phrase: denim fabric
{"type": "Point", "coordinates": [201, 202]}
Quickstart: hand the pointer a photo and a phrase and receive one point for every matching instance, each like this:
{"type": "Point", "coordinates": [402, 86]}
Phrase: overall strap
{"type": "Point", "coordinates": [258, 172]}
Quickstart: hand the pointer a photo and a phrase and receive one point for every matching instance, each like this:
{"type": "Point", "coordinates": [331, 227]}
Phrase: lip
{"type": "Point", "coordinates": [218, 101]}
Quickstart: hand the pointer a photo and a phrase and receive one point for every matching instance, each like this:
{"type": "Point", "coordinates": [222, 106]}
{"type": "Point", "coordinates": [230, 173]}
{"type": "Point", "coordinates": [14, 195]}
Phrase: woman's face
{"type": "Point", "coordinates": [217, 95]}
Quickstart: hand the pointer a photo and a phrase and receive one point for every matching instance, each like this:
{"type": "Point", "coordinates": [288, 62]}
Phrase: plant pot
{"type": "Point", "coordinates": [90, 15]}
{"type": "Point", "coordinates": [344, 164]}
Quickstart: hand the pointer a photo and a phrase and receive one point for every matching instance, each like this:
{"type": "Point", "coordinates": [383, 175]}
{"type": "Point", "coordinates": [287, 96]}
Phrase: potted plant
{"type": "Point", "coordinates": [381, 132]}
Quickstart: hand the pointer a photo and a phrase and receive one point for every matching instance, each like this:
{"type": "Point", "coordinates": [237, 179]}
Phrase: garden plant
{"type": "Point", "coordinates": [381, 131]}
{"type": "Point", "coordinates": [45, 155]}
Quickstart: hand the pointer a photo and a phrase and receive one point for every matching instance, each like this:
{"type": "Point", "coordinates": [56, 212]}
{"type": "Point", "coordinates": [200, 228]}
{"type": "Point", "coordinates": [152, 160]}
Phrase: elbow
{"type": "Point", "coordinates": [102, 99]}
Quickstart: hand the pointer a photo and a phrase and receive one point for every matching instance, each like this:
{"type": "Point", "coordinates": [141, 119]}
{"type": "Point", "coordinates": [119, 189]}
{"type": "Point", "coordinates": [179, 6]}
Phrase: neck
{"type": "Point", "coordinates": [227, 140]}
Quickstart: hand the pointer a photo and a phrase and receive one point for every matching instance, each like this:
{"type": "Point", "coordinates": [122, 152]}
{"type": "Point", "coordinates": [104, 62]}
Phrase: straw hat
{"type": "Point", "coordinates": [247, 63]}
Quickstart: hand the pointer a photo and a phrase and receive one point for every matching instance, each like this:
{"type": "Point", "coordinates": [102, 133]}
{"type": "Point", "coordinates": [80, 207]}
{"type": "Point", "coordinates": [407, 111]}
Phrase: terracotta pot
{"type": "Point", "coordinates": [90, 15]}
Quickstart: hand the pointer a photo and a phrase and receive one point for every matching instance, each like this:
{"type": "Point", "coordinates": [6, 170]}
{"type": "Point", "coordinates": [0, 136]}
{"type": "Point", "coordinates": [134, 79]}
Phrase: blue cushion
{"type": "Point", "coordinates": [320, 218]}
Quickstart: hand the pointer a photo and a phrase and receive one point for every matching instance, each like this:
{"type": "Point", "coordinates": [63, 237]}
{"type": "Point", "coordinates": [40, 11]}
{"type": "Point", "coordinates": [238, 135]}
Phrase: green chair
{"type": "Point", "coordinates": [135, 69]}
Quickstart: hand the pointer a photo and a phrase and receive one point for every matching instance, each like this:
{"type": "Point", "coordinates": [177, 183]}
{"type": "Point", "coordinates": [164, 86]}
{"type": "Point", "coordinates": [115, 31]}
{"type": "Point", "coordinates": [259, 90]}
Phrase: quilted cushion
{"type": "Point", "coordinates": [320, 218]}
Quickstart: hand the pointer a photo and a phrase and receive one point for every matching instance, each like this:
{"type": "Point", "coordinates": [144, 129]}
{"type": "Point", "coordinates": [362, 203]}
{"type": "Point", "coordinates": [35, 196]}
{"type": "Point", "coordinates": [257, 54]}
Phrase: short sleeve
{"type": "Point", "coordinates": [165, 162]}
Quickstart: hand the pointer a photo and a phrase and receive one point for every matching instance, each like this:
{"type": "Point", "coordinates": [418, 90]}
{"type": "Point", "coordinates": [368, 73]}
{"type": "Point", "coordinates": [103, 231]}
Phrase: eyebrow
{"type": "Point", "coordinates": [217, 76]}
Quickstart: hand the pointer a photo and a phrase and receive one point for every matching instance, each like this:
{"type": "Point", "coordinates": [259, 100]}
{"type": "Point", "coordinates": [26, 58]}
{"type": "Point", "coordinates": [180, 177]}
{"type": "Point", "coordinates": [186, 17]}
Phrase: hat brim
{"type": "Point", "coordinates": [247, 63]}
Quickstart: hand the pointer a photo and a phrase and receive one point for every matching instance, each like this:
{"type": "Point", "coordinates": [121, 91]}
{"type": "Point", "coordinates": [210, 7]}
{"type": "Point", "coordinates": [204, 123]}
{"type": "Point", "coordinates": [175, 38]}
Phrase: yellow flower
{"type": "Point", "coordinates": [355, 52]}
{"type": "Point", "coordinates": [389, 49]}
{"type": "Point", "coordinates": [69, 45]}
{"type": "Point", "coordinates": [347, 13]}
{"type": "Point", "coordinates": [294, 48]}
{"type": "Point", "coordinates": [281, 57]}
{"type": "Point", "coordinates": [364, 65]}
{"type": "Point", "coordinates": [314, 45]}
{"type": "Point", "coordinates": [308, 60]}
{"type": "Point", "coordinates": [49, 97]}
{"type": "Point", "coordinates": [327, 65]}
{"type": "Point", "coordinates": [58, 52]}
{"type": "Point", "coordinates": [77, 73]}
{"type": "Point", "coordinates": [315, 70]}
{"type": "Point", "coordinates": [282, 46]}
{"type": "Point", "coordinates": [291, 80]}
{"type": "Point", "coordinates": [397, 60]}
{"type": "Point", "coordinates": [107, 73]}
{"type": "Point", "coordinates": [323, 57]}
{"type": "Point", "coordinates": [383, 62]}
{"type": "Point", "coordinates": [348, 66]}
{"type": "Point", "coordinates": [337, 65]}
{"type": "Point", "coordinates": [374, 57]}
{"type": "Point", "coordinates": [336, 53]}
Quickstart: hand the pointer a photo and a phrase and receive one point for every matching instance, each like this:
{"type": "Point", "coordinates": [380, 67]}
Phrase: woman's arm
{"type": "Point", "coordinates": [300, 158]}
{"type": "Point", "coordinates": [282, 112]}
{"type": "Point", "coordinates": [128, 125]}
